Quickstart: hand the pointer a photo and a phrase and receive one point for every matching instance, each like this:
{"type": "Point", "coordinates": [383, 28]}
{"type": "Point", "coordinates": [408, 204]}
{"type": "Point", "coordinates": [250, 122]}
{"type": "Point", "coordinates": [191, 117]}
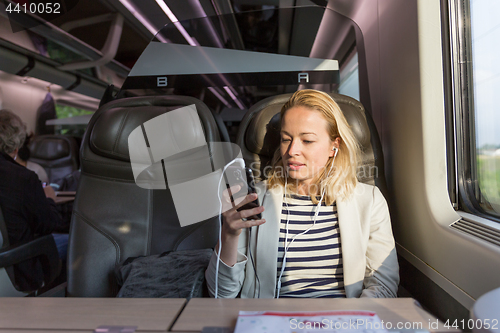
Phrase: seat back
{"type": "Point", "coordinates": [223, 133]}
{"type": "Point", "coordinates": [57, 154]}
{"type": "Point", "coordinates": [7, 288]}
{"type": "Point", "coordinates": [259, 137]}
{"type": "Point", "coordinates": [43, 248]}
{"type": "Point", "coordinates": [113, 218]}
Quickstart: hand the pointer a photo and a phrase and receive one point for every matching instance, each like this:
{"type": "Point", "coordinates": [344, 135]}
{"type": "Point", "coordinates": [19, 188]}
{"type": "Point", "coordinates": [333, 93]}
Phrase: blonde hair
{"type": "Point", "coordinates": [342, 179]}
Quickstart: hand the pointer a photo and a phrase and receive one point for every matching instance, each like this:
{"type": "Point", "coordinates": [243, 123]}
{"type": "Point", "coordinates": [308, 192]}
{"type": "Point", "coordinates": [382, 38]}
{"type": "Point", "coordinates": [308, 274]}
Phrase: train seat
{"type": "Point", "coordinates": [57, 154]}
{"type": "Point", "coordinates": [43, 248]}
{"type": "Point", "coordinates": [223, 133]}
{"type": "Point", "coordinates": [259, 137]}
{"type": "Point", "coordinates": [115, 219]}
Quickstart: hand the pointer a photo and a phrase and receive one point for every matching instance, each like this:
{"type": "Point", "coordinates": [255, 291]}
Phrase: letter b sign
{"type": "Point", "coordinates": [161, 81]}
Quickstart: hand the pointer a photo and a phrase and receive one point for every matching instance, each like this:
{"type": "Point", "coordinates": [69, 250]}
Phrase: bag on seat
{"type": "Point", "coordinates": [179, 274]}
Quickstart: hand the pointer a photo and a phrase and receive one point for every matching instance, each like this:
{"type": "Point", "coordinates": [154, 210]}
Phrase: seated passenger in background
{"type": "Point", "coordinates": [23, 156]}
{"type": "Point", "coordinates": [323, 234]}
{"type": "Point", "coordinates": [28, 209]}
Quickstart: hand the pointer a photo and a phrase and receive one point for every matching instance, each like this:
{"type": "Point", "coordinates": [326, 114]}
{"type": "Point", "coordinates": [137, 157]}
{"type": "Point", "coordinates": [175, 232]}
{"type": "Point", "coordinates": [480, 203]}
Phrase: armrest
{"type": "Point", "coordinates": [43, 248]}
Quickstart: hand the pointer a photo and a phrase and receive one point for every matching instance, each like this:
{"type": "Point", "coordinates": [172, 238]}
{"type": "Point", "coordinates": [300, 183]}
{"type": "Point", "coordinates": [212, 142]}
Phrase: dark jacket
{"type": "Point", "coordinates": [27, 214]}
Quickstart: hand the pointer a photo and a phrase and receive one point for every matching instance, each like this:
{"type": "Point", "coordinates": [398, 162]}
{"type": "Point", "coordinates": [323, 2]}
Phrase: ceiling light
{"type": "Point", "coordinates": [219, 96]}
{"type": "Point", "coordinates": [176, 22]}
{"type": "Point", "coordinates": [134, 11]}
{"type": "Point", "coordinates": [233, 96]}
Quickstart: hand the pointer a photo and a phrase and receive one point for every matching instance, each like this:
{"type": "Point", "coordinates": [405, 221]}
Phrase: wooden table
{"type": "Point", "coordinates": [64, 315]}
{"type": "Point", "coordinates": [64, 196]}
{"type": "Point", "coordinates": [201, 312]}
{"type": "Point", "coordinates": [61, 200]}
{"type": "Point", "coordinates": [83, 315]}
{"type": "Point", "coordinates": [43, 331]}
{"type": "Point", "coordinates": [65, 193]}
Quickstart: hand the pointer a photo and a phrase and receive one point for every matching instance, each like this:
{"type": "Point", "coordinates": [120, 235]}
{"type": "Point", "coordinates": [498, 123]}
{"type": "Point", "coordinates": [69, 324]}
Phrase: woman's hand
{"type": "Point", "coordinates": [235, 220]}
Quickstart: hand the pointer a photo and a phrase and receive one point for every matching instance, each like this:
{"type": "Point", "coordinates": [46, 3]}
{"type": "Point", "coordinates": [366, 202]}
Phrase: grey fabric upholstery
{"type": "Point", "coordinates": [258, 137]}
{"type": "Point", "coordinates": [57, 154]}
{"type": "Point", "coordinates": [114, 219]}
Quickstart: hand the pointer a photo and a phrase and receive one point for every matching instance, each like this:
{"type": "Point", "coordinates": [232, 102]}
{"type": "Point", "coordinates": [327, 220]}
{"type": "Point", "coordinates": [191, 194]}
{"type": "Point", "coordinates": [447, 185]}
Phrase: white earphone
{"type": "Point", "coordinates": [316, 213]}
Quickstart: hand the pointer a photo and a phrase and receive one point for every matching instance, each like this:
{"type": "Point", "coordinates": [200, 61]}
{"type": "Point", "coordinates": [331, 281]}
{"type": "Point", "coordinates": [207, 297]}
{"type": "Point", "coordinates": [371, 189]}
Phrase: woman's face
{"type": "Point", "coordinates": [305, 145]}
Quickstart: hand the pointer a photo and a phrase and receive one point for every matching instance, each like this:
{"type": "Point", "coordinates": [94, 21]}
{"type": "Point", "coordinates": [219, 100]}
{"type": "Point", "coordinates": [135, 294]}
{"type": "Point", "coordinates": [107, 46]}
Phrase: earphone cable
{"type": "Point", "coordinates": [220, 227]}
{"type": "Point", "coordinates": [287, 246]}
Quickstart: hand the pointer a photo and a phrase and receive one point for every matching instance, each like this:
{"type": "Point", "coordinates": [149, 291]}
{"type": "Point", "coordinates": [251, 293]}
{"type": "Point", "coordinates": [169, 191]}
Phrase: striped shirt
{"type": "Point", "coordinates": [314, 260]}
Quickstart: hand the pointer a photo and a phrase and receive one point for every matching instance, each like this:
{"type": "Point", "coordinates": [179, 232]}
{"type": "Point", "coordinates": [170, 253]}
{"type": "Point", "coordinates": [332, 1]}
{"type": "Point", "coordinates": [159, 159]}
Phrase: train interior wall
{"type": "Point", "coordinates": [445, 269]}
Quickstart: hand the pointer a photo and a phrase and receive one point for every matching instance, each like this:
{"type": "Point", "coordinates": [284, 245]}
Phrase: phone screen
{"type": "Point", "coordinates": [236, 176]}
{"type": "Point", "coordinates": [251, 189]}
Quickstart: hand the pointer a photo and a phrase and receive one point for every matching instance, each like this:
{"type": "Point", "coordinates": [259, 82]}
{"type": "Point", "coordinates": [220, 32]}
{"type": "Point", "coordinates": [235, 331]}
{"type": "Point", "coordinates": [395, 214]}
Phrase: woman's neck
{"type": "Point", "coordinates": [306, 189]}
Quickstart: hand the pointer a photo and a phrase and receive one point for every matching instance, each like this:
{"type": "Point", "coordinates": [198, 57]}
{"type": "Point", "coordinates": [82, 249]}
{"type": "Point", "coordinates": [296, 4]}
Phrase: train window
{"type": "Point", "coordinates": [349, 76]}
{"type": "Point", "coordinates": [76, 120]}
{"type": "Point", "coordinates": [486, 78]}
{"type": "Point", "coordinates": [475, 33]}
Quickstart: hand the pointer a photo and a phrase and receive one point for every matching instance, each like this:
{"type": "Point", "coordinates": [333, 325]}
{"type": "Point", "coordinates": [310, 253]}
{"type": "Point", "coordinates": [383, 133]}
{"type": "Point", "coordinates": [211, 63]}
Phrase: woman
{"type": "Point", "coordinates": [322, 234]}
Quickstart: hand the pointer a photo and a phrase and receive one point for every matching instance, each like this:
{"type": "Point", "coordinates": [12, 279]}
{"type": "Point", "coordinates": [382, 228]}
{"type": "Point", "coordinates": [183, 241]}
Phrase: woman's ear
{"type": "Point", "coordinates": [335, 147]}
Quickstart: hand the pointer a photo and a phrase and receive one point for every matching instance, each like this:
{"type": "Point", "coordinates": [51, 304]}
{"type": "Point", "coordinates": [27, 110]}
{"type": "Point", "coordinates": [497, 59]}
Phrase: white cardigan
{"type": "Point", "coordinates": [369, 258]}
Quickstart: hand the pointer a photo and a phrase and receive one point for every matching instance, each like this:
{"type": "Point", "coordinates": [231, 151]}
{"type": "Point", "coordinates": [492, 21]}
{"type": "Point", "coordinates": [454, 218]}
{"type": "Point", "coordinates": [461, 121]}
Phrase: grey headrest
{"type": "Point", "coordinates": [262, 123]}
{"type": "Point", "coordinates": [49, 147]}
{"type": "Point", "coordinates": [109, 136]}
{"type": "Point", "coordinates": [105, 147]}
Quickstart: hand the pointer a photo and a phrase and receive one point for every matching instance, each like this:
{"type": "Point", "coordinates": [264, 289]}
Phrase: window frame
{"type": "Point", "coordinates": [461, 130]}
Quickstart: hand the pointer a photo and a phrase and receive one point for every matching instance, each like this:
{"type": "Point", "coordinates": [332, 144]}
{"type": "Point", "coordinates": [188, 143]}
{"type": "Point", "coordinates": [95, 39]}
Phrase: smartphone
{"type": "Point", "coordinates": [235, 175]}
{"type": "Point", "coordinates": [251, 189]}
